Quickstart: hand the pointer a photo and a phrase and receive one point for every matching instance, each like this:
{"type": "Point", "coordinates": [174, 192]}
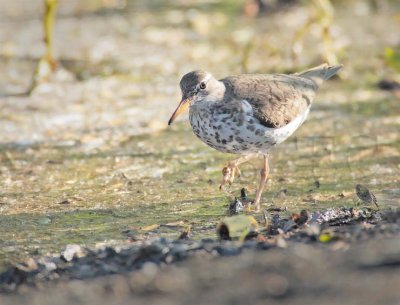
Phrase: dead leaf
{"type": "Point", "coordinates": [236, 226]}
{"type": "Point", "coordinates": [150, 227]}
{"type": "Point", "coordinates": [174, 224]}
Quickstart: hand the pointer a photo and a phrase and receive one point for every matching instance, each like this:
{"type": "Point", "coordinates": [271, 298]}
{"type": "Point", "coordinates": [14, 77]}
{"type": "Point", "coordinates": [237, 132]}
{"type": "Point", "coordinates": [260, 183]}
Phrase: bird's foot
{"type": "Point", "coordinates": [252, 207]}
{"type": "Point", "coordinates": [256, 207]}
{"type": "Point", "coordinates": [228, 173]}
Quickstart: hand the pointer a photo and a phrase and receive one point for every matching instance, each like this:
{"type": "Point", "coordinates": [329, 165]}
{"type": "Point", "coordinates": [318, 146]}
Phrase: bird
{"type": "Point", "coordinates": [248, 114]}
{"type": "Point", "coordinates": [365, 195]}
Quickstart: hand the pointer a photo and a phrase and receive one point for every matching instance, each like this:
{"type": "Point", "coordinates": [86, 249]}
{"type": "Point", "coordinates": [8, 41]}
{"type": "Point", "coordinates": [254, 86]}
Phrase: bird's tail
{"type": "Point", "coordinates": [320, 73]}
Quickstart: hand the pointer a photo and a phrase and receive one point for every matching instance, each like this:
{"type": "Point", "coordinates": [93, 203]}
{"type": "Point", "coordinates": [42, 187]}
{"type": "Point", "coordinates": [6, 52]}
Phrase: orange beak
{"type": "Point", "coordinates": [183, 105]}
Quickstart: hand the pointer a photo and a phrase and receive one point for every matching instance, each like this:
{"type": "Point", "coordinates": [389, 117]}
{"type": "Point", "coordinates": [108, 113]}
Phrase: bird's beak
{"type": "Point", "coordinates": [183, 105]}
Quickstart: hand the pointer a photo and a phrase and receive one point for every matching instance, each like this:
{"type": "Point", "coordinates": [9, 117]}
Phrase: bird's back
{"type": "Point", "coordinates": [277, 99]}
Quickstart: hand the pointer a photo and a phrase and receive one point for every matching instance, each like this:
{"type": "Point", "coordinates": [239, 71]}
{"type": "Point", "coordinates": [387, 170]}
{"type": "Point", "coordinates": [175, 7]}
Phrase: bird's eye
{"type": "Point", "coordinates": [202, 85]}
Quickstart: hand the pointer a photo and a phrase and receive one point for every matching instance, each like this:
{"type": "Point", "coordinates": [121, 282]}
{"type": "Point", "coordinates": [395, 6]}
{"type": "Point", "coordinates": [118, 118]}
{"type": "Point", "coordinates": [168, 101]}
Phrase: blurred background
{"type": "Point", "coordinates": [87, 87]}
{"type": "Point", "coordinates": [117, 56]}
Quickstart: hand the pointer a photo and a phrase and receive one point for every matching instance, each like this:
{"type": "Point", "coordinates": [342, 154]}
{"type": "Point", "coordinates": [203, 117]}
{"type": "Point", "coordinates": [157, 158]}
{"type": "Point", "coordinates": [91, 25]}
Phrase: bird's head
{"type": "Point", "coordinates": [197, 86]}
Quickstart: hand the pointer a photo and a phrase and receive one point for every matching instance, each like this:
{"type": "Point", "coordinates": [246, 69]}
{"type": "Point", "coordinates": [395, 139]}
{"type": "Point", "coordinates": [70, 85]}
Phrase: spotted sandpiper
{"type": "Point", "coordinates": [248, 114]}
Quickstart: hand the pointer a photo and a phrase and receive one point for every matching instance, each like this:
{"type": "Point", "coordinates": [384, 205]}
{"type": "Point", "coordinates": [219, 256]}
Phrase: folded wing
{"type": "Point", "coordinates": [278, 99]}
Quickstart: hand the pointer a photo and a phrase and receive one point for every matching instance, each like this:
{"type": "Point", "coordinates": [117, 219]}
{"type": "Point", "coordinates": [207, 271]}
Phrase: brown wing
{"type": "Point", "coordinates": [276, 99]}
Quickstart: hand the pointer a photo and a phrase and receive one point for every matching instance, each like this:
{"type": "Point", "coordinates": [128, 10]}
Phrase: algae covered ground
{"type": "Point", "coordinates": [87, 158]}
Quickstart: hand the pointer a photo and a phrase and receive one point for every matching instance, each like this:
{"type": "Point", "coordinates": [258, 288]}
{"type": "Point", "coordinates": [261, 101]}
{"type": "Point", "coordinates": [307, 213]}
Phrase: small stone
{"type": "Point", "coordinates": [243, 194]}
{"type": "Point", "coordinates": [70, 252]}
{"type": "Point", "coordinates": [289, 225]}
{"type": "Point", "coordinates": [85, 271]}
{"type": "Point", "coordinates": [227, 250]}
{"type": "Point", "coordinates": [305, 216]}
{"type": "Point", "coordinates": [236, 207]}
{"type": "Point", "coordinates": [282, 193]}
{"type": "Point", "coordinates": [365, 195]}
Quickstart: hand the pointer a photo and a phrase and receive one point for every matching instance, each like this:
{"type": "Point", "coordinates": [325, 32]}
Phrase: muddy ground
{"type": "Point", "coordinates": [88, 159]}
{"type": "Point", "coordinates": [331, 257]}
{"type": "Point", "coordinates": [297, 275]}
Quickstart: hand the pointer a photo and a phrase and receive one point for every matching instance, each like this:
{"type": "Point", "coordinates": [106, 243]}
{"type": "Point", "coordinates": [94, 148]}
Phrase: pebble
{"type": "Point", "coordinates": [70, 251]}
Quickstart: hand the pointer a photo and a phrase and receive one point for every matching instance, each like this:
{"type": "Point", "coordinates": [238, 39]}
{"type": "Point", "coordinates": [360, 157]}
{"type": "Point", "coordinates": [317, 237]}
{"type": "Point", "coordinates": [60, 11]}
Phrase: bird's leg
{"type": "Point", "coordinates": [47, 64]}
{"type": "Point", "coordinates": [51, 6]}
{"type": "Point", "coordinates": [228, 172]}
{"type": "Point", "coordinates": [264, 175]}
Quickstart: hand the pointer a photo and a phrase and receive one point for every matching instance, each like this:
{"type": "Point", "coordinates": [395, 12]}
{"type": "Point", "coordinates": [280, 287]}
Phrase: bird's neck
{"type": "Point", "coordinates": [218, 91]}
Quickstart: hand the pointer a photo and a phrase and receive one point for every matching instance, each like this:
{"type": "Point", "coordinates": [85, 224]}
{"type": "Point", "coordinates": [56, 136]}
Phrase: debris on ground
{"type": "Point", "coordinates": [365, 195]}
{"type": "Point", "coordinates": [340, 225]}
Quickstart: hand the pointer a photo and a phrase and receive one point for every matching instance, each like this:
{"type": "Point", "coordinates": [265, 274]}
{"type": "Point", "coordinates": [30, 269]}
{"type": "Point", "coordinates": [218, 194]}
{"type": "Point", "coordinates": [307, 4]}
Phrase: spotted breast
{"type": "Point", "coordinates": [233, 128]}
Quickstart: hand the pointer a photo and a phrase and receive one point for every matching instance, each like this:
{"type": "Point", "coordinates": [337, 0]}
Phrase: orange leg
{"type": "Point", "coordinates": [264, 175]}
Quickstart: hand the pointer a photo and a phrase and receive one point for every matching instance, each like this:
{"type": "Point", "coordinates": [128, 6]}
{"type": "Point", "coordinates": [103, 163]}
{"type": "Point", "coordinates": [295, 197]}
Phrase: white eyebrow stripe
{"type": "Point", "coordinates": [207, 77]}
